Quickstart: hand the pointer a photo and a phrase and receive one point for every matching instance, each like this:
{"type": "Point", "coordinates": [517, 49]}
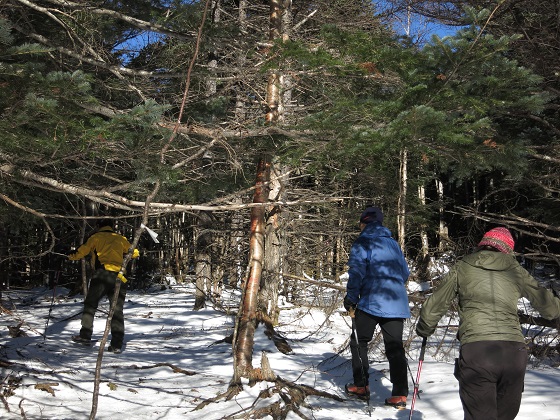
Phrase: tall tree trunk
{"type": "Point", "coordinates": [218, 256]}
{"type": "Point", "coordinates": [4, 264]}
{"type": "Point", "coordinates": [89, 208]}
{"type": "Point", "coordinates": [203, 278]}
{"type": "Point", "coordinates": [443, 229]}
{"type": "Point", "coordinates": [83, 266]}
{"type": "Point", "coordinates": [280, 22]}
{"type": "Point", "coordinates": [423, 259]}
{"type": "Point", "coordinates": [401, 217]}
{"type": "Point", "coordinates": [286, 80]}
{"type": "Point", "coordinates": [273, 99]}
{"type": "Point", "coordinates": [274, 248]}
{"type": "Point", "coordinates": [236, 240]}
{"type": "Point", "coordinates": [339, 259]}
{"type": "Point", "coordinates": [203, 265]}
{"type": "Point", "coordinates": [178, 240]}
{"type": "Point", "coordinates": [212, 63]}
{"type": "Point", "coordinates": [423, 234]}
{"type": "Point", "coordinates": [240, 91]}
{"type": "Point", "coordinates": [247, 318]}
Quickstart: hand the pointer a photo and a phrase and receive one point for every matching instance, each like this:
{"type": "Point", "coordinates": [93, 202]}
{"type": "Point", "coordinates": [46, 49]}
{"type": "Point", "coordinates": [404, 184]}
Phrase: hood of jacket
{"type": "Point", "coordinates": [491, 260]}
{"type": "Point", "coordinates": [375, 229]}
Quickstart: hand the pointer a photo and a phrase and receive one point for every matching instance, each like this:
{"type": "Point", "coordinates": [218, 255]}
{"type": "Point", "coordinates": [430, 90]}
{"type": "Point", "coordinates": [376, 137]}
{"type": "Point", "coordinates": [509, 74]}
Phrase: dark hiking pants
{"type": "Point", "coordinates": [103, 284]}
{"type": "Point", "coordinates": [491, 375]}
{"type": "Point", "coordinates": [392, 330]}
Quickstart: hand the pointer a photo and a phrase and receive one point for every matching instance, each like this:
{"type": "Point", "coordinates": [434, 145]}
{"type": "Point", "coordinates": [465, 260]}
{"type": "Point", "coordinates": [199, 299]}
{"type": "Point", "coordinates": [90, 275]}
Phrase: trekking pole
{"type": "Point", "coordinates": [52, 303]}
{"type": "Point", "coordinates": [417, 383]}
{"type": "Point", "coordinates": [355, 331]}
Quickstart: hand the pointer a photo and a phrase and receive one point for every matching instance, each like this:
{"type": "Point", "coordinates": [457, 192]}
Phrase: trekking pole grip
{"type": "Point", "coordinates": [423, 349]}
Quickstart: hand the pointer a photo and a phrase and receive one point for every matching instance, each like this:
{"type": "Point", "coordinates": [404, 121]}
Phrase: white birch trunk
{"type": "Point", "coordinates": [423, 234]}
{"type": "Point", "coordinates": [401, 217]}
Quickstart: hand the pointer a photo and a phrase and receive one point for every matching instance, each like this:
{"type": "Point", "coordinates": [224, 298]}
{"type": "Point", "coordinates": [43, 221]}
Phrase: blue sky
{"type": "Point", "coordinates": [418, 27]}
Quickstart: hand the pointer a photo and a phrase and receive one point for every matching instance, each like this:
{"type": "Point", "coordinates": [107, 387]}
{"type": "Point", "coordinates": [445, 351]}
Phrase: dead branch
{"type": "Point", "coordinates": [513, 221]}
{"type": "Point", "coordinates": [316, 282]}
{"type": "Point", "coordinates": [112, 199]}
{"type": "Point", "coordinates": [21, 410]}
{"type": "Point", "coordinates": [292, 397]}
{"type": "Point", "coordinates": [174, 368]}
{"type": "Point", "coordinates": [538, 320]}
{"type": "Point", "coordinates": [5, 402]}
{"type": "Point", "coordinates": [279, 341]}
{"type": "Point", "coordinates": [138, 23]}
{"type": "Point", "coordinates": [116, 69]}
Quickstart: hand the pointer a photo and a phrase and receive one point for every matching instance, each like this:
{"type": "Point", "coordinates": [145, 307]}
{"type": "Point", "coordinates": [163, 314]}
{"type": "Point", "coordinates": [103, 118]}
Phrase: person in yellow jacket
{"type": "Point", "coordinates": [108, 249]}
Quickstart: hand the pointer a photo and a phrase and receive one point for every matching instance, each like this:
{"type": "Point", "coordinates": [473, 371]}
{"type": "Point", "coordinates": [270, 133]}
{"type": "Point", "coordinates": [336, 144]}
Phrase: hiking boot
{"type": "Point", "coordinates": [81, 340]}
{"type": "Point", "coordinates": [396, 401]}
{"type": "Point", "coordinates": [116, 350]}
{"type": "Point", "coordinates": [357, 391]}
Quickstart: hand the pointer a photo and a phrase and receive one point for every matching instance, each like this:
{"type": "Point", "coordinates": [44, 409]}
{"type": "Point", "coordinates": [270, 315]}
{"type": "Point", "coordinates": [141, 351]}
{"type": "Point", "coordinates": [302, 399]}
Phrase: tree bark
{"type": "Point", "coordinates": [274, 248]}
{"type": "Point", "coordinates": [83, 263]}
{"type": "Point", "coordinates": [401, 217]}
{"type": "Point", "coordinates": [443, 231]}
{"type": "Point", "coordinates": [203, 266]}
{"type": "Point", "coordinates": [247, 318]}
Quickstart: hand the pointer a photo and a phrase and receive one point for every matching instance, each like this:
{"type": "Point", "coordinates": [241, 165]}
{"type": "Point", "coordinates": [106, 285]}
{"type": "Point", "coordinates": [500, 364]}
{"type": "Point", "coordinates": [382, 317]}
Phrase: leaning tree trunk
{"type": "Point", "coordinates": [247, 318]}
{"type": "Point", "coordinates": [127, 258]}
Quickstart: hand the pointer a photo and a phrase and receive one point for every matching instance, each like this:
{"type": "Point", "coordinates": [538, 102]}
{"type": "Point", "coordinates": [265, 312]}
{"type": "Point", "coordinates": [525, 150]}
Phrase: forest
{"type": "Point", "coordinates": [249, 136]}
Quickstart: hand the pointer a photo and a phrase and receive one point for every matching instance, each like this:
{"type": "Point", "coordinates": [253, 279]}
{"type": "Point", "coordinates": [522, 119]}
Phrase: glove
{"type": "Point", "coordinates": [423, 330]}
{"type": "Point", "coordinates": [348, 304]}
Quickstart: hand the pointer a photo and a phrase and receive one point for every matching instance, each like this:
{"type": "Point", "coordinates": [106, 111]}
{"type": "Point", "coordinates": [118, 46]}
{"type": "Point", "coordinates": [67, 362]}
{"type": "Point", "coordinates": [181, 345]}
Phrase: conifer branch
{"type": "Point", "coordinates": [138, 23]}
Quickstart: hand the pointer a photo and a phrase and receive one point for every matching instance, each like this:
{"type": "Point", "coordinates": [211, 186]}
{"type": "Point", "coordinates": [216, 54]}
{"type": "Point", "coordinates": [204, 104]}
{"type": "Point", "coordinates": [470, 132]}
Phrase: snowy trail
{"type": "Point", "coordinates": [170, 364]}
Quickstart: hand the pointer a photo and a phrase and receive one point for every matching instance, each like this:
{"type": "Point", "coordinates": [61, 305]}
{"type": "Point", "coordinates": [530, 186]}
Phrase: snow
{"type": "Point", "coordinates": [173, 360]}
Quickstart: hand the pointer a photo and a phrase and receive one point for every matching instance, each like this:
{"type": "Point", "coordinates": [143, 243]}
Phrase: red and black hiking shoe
{"type": "Point", "coordinates": [357, 391]}
{"type": "Point", "coordinates": [396, 401]}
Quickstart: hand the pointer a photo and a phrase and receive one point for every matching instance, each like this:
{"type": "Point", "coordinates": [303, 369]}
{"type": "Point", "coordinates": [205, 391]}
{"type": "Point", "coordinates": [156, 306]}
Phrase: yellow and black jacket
{"type": "Point", "coordinates": [107, 247]}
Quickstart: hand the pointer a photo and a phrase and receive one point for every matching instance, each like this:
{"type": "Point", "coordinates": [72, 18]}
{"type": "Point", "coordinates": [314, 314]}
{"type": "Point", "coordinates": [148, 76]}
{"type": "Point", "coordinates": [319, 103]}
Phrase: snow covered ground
{"type": "Point", "coordinates": [172, 362]}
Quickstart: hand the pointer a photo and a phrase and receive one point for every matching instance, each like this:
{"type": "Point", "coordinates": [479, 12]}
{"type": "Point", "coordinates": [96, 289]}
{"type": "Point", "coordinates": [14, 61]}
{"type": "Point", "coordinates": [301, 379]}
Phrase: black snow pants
{"type": "Point", "coordinates": [392, 331]}
{"type": "Point", "coordinates": [103, 284]}
{"type": "Point", "coordinates": [491, 376]}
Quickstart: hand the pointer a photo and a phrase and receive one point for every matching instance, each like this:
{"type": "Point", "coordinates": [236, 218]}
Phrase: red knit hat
{"type": "Point", "coordinates": [499, 238]}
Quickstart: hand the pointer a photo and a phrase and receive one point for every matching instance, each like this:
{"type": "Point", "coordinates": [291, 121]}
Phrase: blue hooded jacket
{"type": "Point", "coordinates": [377, 274]}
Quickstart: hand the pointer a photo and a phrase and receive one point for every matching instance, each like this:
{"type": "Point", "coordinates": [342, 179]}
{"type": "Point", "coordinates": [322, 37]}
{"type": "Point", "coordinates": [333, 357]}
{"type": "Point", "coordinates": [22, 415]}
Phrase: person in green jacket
{"type": "Point", "coordinates": [493, 356]}
{"type": "Point", "coordinates": [107, 248]}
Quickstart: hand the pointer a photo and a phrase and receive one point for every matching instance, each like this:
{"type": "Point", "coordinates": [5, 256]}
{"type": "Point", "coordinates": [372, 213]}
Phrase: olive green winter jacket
{"type": "Point", "coordinates": [488, 285]}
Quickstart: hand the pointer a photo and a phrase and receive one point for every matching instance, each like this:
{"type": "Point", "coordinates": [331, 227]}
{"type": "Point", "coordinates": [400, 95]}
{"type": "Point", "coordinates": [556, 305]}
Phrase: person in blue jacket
{"type": "Point", "coordinates": [376, 295]}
